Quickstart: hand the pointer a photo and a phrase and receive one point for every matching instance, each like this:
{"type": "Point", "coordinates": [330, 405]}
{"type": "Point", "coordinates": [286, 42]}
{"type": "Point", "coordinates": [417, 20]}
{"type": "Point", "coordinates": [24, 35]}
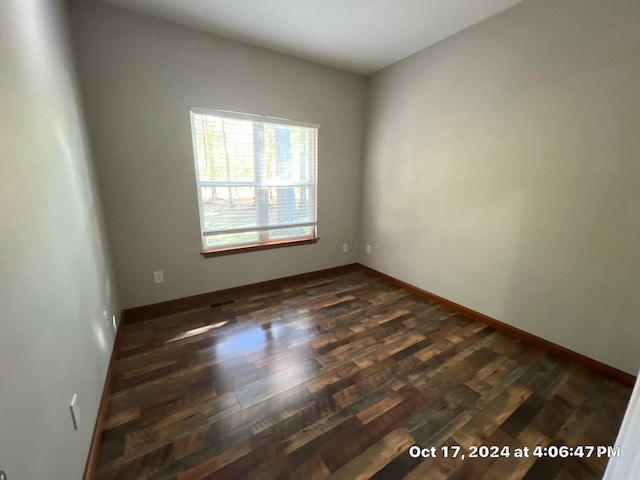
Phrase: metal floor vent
{"type": "Point", "coordinates": [219, 304]}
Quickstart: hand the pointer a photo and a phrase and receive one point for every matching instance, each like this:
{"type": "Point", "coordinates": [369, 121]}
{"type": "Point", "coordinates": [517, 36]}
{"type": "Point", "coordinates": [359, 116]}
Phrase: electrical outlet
{"type": "Point", "coordinates": [345, 247]}
{"type": "Point", "coordinates": [368, 248]}
{"type": "Point", "coordinates": [158, 276]}
{"type": "Point", "coordinates": [75, 411]}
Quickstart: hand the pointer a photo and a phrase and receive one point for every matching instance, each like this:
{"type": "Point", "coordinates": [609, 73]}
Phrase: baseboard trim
{"type": "Point", "coordinates": [554, 348]}
{"type": "Point", "coordinates": [147, 312]}
{"type": "Point", "coordinates": [92, 458]}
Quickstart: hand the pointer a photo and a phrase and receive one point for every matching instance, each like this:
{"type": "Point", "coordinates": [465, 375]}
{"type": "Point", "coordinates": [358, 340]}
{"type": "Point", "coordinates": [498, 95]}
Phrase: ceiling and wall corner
{"type": "Point", "coordinates": [359, 36]}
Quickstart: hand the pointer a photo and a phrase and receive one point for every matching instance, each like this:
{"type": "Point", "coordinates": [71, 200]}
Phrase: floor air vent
{"type": "Point", "coordinates": [219, 304]}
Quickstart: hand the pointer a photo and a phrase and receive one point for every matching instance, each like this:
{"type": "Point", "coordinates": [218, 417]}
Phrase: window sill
{"type": "Point", "coordinates": [218, 252]}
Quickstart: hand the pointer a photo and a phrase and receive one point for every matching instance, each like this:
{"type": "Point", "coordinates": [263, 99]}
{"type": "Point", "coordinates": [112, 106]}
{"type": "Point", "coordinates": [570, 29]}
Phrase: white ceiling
{"type": "Point", "coordinates": [360, 36]}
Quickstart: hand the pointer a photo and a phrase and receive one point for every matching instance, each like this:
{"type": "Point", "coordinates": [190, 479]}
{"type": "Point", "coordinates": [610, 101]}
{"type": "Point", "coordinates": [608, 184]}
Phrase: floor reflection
{"type": "Point", "coordinates": [252, 339]}
{"type": "Point", "coordinates": [196, 331]}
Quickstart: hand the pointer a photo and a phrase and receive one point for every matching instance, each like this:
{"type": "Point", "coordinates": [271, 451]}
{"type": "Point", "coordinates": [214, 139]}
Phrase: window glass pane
{"type": "Point", "coordinates": [289, 233]}
{"type": "Point", "coordinates": [289, 153]}
{"type": "Point", "coordinates": [291, 205]}
{"type": "Point", "coordinates": [223, 148]}
{"type": "Point", "coordinates": [226, 208]}
{"type": "Point", "coordinates": [224, 239]}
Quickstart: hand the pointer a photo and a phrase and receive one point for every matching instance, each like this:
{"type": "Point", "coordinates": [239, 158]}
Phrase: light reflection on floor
{"type": "Point", "coordinates": [257, 339]}
{"type": "Point", "coordinates": [252, 339]}
{"type": "Point", "coordinates": [282, 327]}
{"type": "Point", "coordinates": [196, 331]}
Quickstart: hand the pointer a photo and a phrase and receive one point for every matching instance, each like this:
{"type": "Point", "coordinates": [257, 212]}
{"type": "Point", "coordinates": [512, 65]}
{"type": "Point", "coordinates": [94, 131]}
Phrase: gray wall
{"type": "Point", "coordinates": [502, 172]}
{"type": "Point", "coordinates": [54, 276]}
{"type": "Point", "coordinates": [139, 77]}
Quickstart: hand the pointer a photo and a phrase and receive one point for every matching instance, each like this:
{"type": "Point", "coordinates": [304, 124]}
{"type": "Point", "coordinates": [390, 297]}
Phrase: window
{"type": "Point", "coordinates": [256, 180]}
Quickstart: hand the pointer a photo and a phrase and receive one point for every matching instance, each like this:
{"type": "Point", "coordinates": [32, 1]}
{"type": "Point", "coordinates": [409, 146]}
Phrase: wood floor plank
{"type": "Point", "coordinates": [337, 376]}
{"type": "Point", "coordinates": [370, 461]}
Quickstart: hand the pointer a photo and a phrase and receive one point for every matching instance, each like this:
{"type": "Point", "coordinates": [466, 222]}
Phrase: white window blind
{"type": "Point", "coordinates": [256, 178]}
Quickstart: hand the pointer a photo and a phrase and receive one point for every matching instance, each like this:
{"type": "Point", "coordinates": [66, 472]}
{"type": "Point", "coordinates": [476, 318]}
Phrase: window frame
{"type": "Point", "coordinates": [263, 242]}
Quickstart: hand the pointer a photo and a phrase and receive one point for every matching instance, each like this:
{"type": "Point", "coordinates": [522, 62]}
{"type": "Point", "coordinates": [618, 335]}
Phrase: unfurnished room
{"type": "Point", "coordinates": [307, 239]}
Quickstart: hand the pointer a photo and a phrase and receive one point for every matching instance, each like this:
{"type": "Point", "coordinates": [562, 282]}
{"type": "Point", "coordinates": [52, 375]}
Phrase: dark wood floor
{"type": "Point", "coordinates": [338, 376]}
